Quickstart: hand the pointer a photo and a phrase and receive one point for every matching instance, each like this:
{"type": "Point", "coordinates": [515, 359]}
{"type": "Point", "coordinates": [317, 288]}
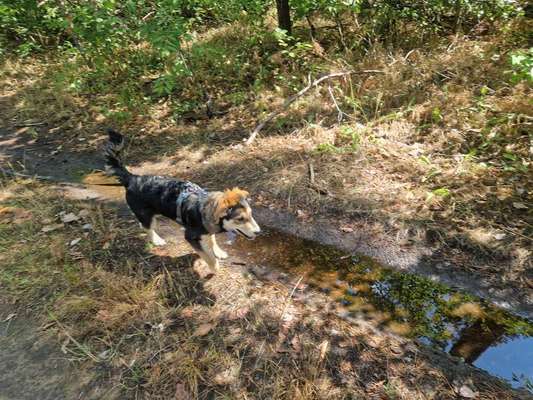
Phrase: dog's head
{"type": "Point", "coordinates": [231, 210]}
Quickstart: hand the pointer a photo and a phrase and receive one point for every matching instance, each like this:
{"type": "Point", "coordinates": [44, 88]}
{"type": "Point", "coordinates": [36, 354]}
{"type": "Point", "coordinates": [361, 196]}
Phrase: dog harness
{"type": "Point", "coordinates": [188, 189]}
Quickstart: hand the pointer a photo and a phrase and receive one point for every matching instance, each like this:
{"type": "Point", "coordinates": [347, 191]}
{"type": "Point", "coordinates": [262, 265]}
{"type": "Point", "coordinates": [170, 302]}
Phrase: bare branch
{"type": "Point", "coordinates": [296, 96]}
{"type": "Point", "coordinates": [341, 113]}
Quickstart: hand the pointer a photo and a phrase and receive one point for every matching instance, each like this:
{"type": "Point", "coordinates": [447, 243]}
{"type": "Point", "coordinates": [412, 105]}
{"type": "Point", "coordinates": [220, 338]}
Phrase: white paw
{"type": "Point", "coordinates": [158, 241]}
{"type": "Point", "coordinates": [221, 254]}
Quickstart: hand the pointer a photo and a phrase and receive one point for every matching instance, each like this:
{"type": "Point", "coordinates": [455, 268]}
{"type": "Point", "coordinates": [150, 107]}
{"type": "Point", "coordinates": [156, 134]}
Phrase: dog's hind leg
{"type": "Point", "coordinates": [152, 234]}
{"type": "Point", "coordinates": [146, 218]}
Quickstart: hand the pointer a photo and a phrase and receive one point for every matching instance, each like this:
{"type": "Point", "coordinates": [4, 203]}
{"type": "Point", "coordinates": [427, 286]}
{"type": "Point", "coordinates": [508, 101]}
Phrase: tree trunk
{"type": "Point", "coordinates": [284, 15]}
{"type": "Point", "coordinates": [475, 339]}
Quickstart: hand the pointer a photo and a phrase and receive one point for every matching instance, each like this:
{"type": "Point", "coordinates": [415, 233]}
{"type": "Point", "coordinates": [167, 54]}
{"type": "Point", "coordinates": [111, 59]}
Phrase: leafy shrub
{"type": "Point", "coordinates": [522, 66]}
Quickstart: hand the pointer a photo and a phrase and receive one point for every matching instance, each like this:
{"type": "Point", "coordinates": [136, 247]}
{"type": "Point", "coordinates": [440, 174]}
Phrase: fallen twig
{"type": "Point", "coordinates": [341, 113]}
{"type": "Point", "coordinates": [27, 124]}
{"type": "Point", "coordinates": [296, 96]}
{"type": "Point", "coordinates": [313, 185]}
{"type": "Point", "coordinates": [287, 302]}
{"type": "Point", "coordinates": [311, 174]}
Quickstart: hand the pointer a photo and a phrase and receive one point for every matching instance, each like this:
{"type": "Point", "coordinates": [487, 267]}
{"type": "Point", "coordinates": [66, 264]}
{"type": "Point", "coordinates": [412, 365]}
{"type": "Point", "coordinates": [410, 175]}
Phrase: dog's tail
{"type": "Point", "coordinates": [113, 162]}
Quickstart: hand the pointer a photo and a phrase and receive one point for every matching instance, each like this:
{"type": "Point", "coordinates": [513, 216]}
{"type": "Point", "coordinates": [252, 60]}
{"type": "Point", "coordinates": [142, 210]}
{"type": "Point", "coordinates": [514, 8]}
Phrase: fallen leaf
{"type": "Point", "coordinates": [75, 241]}
{"type": "Point", "coordinates": [203, 329]}
{"type": "Point", "coordinates": [323, 348]}
{"type": "Point", "coordinates": [187, 312]}
{"type": "Point", "coordinates": [239, 313]}
{"type": "Point", "coordinates": [346, 229]}
{"type": "Point", "coordinates": [344, 343]}
{"type": "Point", "coordinates": [345, 366]}
{"type": "Point", "coordinates": [70, 217]}
{"type": "Point", "coordinates": [181, 392]}
{"type": "Point", "coordinates": [84, 213]}
{"type": "Point", "coordinates": [467, 393]}
{"type": "Point", "coordinates": [50, 228]}
{"type": "Point", "coordinates": [14, 215]}
{"type": "Point", "coordinates": [227, 377]}
{"type": "Point", "coordinates": [520, 206]}
{"type": "Point", "coordinates": [10, 317]}
{"type": "Point", "coordinates": [296, 344]}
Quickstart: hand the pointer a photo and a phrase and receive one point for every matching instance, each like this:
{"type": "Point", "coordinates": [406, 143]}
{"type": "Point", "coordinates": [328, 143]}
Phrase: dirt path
{"type": "Point", "coordinates": [359, 351]}
{"type": "Point", "coordinates": [47, 155]}
{"type": "Point", "coordinates": [32, 365]}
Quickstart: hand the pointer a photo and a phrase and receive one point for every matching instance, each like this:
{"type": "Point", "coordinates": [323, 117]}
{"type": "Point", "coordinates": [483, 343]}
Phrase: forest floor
{"type": "Point", "coordinates": [141, 322]}
{"type": "Point", "coordinates": [431, 161]}
{"type": "Point", "coordinates": [446, 175]}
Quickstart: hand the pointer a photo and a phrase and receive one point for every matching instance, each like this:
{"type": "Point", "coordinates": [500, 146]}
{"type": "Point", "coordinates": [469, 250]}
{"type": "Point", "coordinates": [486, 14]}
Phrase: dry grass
{"type": "Point", "coordinates": [435, 150]}
{"type": "Point", "coordinates": [145, 317]}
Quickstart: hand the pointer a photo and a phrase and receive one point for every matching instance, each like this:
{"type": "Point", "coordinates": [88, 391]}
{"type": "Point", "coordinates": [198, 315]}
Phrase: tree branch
{"type": "Point", "coordinates": [296, 96]}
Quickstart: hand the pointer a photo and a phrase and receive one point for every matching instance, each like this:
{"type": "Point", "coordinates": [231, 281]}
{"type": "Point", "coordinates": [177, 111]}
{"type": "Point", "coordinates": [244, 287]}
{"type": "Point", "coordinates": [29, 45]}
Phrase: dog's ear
{"type": "Point", "coordinates": [228, 199]}
{"type": "Point", "coordinates": [219, 203]}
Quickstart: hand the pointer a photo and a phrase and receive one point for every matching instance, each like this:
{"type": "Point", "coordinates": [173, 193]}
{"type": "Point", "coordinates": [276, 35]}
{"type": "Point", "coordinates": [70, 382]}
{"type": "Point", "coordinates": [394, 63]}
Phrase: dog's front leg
{"type": "Point", "coordinates": [219, 253]}
{"type": "Point", "coordinates": [208, 244]}
{"type": "Point", "coordinates": [203, 248]}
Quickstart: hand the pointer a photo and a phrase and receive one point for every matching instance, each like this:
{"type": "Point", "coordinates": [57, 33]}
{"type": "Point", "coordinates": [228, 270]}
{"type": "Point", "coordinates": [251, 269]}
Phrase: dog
{"type": "Point", "coordinates": [203, 214]}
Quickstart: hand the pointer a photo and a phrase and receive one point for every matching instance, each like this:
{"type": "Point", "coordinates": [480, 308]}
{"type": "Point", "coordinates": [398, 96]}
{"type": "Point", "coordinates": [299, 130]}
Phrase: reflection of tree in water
{"type": "Point", "coordinates": [434, 313]}
{"type": "Point", "coordinates": [418, 301]}
{"type": "Point", "coordinates": [476, 338]}
{"type": "Point", "coordinates": [427, 309]}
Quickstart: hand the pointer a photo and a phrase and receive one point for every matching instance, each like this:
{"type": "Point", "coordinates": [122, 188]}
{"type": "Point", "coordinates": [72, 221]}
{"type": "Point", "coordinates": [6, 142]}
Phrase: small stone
{"type": "Point", "coordinates": [50, 228]}
{"type": "Point", "coordinates": [84, 213]}
{"type": "Point", "coordinates": [519, 206]}
{"type": "Point", "coordinates": [70, 217]}
{"type": "Point", "coordinates": [467, 392]}
{"type": "Point", "coordinates": [104, 354]}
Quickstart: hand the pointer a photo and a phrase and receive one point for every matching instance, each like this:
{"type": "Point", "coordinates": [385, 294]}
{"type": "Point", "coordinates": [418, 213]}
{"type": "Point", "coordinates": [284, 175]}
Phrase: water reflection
{"type": "Point", "coordinates": [407, 304]}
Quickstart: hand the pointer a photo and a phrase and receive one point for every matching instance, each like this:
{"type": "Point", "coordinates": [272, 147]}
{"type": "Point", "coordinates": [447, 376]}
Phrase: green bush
{"type": "Point", "coordinates": [522, 66]}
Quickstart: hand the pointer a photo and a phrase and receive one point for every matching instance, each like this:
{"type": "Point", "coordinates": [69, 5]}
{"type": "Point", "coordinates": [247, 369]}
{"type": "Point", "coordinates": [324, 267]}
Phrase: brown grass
{"type": "Point", "coordinates": [144, 316]}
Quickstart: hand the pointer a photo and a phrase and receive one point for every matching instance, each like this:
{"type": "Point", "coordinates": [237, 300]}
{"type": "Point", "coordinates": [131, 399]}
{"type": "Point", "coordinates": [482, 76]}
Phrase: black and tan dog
{"type": "Point", "coordinates": [201, 213]}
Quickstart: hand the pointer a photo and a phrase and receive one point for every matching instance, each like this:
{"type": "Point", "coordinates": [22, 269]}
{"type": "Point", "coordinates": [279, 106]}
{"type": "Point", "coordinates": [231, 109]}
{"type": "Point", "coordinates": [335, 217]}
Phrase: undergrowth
{"type": "Point", "coordinates": [434, 145]}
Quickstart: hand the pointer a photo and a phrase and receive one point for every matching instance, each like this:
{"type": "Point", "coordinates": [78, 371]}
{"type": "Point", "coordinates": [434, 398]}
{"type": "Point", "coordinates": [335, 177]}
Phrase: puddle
{"type": "Point", "coordinates": [106, 185]}
{"type": "Point", "coordinates": [406, 304]}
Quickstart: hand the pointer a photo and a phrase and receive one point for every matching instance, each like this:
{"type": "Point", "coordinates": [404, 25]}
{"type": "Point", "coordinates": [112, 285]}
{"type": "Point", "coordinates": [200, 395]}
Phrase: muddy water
{"type": "Point", "coordinates": [406, 304]}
